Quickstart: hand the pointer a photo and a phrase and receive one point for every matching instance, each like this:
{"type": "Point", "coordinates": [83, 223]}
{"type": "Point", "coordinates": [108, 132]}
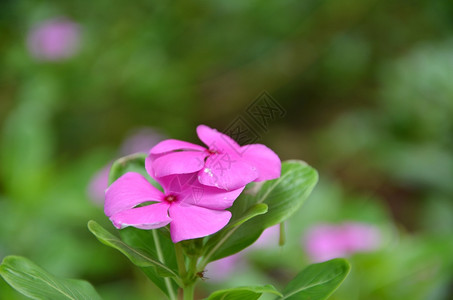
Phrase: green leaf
{"type": "Point", "coordinates": [283, 196]}
{"type": "Point", "coordinates": [154, 243]}
{"type": "Point", "coordinates": [131, 163]}
{"type": "Point", "coordinates": [286, 194]}
{"type": "Point", "coordinates": [317, 281]}
{"type": "Point", "coordinates": [255, 210]}
{"type": "Point", "coordinates": [243, 293]}
{"type": "Point", "coordinates": [35, 283]}
{"type": "Point", "coordinates": [217, 240]}
{"type": "Point", "coordinates": [136, 256]}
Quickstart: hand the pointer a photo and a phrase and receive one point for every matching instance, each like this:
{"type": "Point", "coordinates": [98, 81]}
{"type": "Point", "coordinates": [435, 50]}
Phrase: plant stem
{"type": "Point", "coordinates": [187, 275]}
{"type": "Point", "coordinates": [193, 265]}
{"type": "Point", "coordinates": [160, 256]}
{"type": "Point", "coordinates": [189, 291]}
{"type": "Point", "coordinates": [180, 261]}
{"type": "Point", "coordinates": [281, 240]}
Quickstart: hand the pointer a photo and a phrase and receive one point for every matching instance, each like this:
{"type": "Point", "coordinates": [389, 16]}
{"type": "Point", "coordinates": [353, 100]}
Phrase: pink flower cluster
{"type": "Point", "coordinates": [199, 184]}
{"type": "Point", "coordinates": [324, 242]}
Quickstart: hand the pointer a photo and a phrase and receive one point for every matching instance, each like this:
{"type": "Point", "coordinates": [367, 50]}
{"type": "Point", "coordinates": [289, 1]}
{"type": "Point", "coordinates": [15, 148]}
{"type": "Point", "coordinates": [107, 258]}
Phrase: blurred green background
{"type": "Point", "coordinates": [367, 90]}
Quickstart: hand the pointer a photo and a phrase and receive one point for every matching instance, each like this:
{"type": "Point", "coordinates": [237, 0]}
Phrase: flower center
{"type": "Point", "coordinates": [170, 198]}
{"type": "Point", "coordinates": [212, 151]}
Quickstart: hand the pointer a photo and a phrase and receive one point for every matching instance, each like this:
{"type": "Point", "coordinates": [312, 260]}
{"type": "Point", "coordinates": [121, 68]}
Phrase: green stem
{"type": "Point", "coordinates": [188, 276]}
{"type": "Point", "coordinates": [189, 291]}
{"type": "Point", "coordinates": [193, 265]}
{"type": "Point", "coordinates": [281, 240]}
{"type": "Point", "coordinates": [160, 256]}
{"type": "Point", "coordinates": [180, 261]}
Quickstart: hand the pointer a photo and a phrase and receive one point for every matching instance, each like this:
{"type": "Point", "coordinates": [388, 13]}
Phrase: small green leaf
{"type": "Point", "coordinates": [255, 210]}
{"type": "Point", "coordinates": [137, 257]}
{"type": "Point", "coordinates": [36, 283]}
{"type": "Point", "coordinates": [317, 281]}
{"type": "Point", "coordinates": [243, 293]}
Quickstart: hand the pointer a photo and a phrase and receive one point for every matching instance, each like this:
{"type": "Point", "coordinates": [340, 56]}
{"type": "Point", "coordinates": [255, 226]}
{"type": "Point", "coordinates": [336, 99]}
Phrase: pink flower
{"type": "Point", "coordinates": [324, 242]}
{"type": "Point", "coordinates": [54, 39]}
{"type": "Point", "coordinates": [224, 164]}
{"type": "Point", "coordinates": [139, 140]}
{"type": "Point", "coordinates": [191, 209]}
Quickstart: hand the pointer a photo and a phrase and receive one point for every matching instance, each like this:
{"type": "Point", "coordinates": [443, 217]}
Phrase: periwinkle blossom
{"type": "Point", "coordinates": [324, 242]}
{"type": "Point", "coordinates": [191, 209]}
{"type": "Point", "coordinates": [223, 164]}
{"type": "Point", "coordinates": [54, 39]}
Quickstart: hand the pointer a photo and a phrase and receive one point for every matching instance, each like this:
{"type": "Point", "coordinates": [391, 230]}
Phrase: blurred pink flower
{"type": "Point", "coordinates": [98, 184]}
{"type": "Point", "coordinates": [139, 140]}
{"type": "Point", "coordinates": [324, 242]}
{"type": "Point", "coordinates": [224, 164]}
{"type": "Point", "coordinates": [191, 209]}
{"type": "Point", "coordinates": [268, 238]}
{"type": "Point", "coordinates": [221, 269]}
{"type": "Point", "coordinates": [53, 40]}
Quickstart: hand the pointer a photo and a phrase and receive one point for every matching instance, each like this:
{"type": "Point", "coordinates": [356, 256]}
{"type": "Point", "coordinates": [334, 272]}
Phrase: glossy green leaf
{"type": "Point", "coordinates": [255, 210]}
{"type": "Point", "coordinates": [243, 293]}
{"type": "Point", "coordinates": [317, 281]}
{"type": "Point", "coordinates": [130, 163]}
{"type": "Point", "coordinates": [286, 194]}
{"type": "Point", "coordinates": [217, 240]}
{"type": "Point", "coordinates": [283, 196]}
{"type": "Point", "coordinates": [36, 283]}
{"type": "Point", "coordinates": [154, 243]}
{"type": "Point", "coordinates": [136, 256]}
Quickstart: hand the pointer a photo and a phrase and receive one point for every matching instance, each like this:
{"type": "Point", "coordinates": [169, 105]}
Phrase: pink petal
{"type": "Point", "coordinates": [128, 191]}
{"type": "Point", "coordinates": [223, 172]}
{"type": "Point", "coordinates": [190, 222]}
{"type": "Point", "coordinates": [264, 159]}
{"type": "Point", "coordinates": [173, 145]}
{"type": "Point", "coordinates": [190, 191]}
{"type": "Point", "coordinates": [175, 163]}
{"type": "Point", "coordinates": [217, 141]}
{"type": "Point", "coordinates": [210, 197]}
{"type": "Point", "coordinates": [177, 183]}
{"type": "Point", "coordinates": [145, 217]}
